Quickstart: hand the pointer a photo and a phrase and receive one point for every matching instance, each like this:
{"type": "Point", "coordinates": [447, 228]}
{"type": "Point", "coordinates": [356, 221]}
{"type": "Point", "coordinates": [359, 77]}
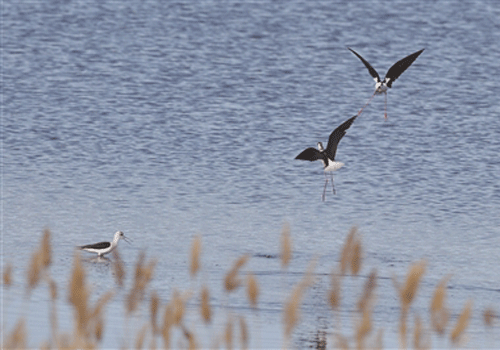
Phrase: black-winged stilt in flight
{"type": "Point", "coordinates": [393, 73]}
{"type": "Point", "coordinates": [102, 248]}
{"type": "Point", "coordinates": [327, 156]}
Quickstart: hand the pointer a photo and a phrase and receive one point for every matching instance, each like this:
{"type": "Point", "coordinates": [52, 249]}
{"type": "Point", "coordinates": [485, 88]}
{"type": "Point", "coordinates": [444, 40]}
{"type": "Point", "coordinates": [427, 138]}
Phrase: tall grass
{"type": "Point", "coordinates": [89, 326]}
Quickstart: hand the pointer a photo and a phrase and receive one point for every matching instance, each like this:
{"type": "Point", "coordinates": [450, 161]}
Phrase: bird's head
{"type": "Point", "coordinates": [119, 235]}
{"type": "Point", "coordinates": [320, 147]}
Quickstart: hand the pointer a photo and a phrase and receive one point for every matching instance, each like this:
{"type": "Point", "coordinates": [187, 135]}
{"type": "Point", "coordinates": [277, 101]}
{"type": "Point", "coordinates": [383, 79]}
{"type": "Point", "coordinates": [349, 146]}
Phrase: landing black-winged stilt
{"type": "Point", "coordinates": [327, 156]}
{"type": "Point", "coordinates": [102, 248]}
{"type": "Point", "coordinates": [393, 73]}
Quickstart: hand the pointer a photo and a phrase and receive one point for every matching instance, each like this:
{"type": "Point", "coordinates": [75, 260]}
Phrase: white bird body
{"type": "Point", "coordinates": [333, 165]}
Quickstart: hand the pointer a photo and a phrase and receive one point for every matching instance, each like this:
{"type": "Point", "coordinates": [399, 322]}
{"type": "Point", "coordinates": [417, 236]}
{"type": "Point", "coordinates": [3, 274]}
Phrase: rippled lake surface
{"type": "Point", "coordinates": [167, 120]}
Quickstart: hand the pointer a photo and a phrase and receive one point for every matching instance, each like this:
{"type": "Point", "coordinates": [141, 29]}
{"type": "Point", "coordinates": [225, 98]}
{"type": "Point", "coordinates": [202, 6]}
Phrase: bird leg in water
{"type": "Point", "coordinates": [333, 186]}
{"type": "Point", "coordinates": [385, 106]}
{"type": "Point", "coordinates": [324, 189]}
{"type": "Point", "coordinates": [366, 104]}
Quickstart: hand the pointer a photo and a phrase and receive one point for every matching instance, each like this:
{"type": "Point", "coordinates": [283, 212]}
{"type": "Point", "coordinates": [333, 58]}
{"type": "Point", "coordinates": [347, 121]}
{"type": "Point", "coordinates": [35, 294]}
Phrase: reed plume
{"type": "Point", "coordinates": [368, 291]}
{"type": "Point", "coordinates": [7, 275]}
{"type": "Point", "coordinates": [345, 255]}
{"type": "Point", "coordinates": [286, 246]}
{"type": "Point", "coordinates": [462, 323]}
{"type": "Point", "coordinates": [334, 294]}
{"type": "Point", "coordinates": [291, 312]}
{"type": "Point", "coordinates": [252, 290]}
{"type": "Point", "coordinates": [195, 256]}
{"type": "Point", "coordinates": [489, 316]}
{"type": "Point", "coordinates": [153, 310]}
{"type": "Point", "coordinates": [439, 311]}
{"type": "Point", "coordinates": [232, 281]}
{"type": "Point", "coordinates": [206, 311]}
{"type": "Point", "coordinates": [17, 338]}
{"type": "Point", "coordinates": [243, 333]}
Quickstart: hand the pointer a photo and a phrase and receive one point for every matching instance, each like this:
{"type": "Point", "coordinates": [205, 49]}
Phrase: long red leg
{"type": "Point", "coordinates": [366, 104]}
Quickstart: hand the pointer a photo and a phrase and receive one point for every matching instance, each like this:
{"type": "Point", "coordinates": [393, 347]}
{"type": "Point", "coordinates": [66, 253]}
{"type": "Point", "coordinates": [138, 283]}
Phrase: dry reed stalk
{"type": "Point", "coordinates": [231, 281]}
{"type": "Point", "coordinates": [364, 327]}
{"type": "Point", "coordinates": [52, 289]}
{"type": "Point", "coordinates": [228, 333]}
{"type": "Point", "coordinates": [190, 337]}
{"type": "Point", "coordinates": [378, 342]}
{"type": "Point", "coordinates": [367, 297]}
{"type": "Point", "coordinates": [118, 267]}
{"type": "Point", "coordinates": [291, 312]}
{"type": "Point", "coordinates": [341, 342]}
{"type": "Point", "coordinates": [420, 341]}
{"type": "Point", "coordinates": [206, 311]}
{"type": "Point", "coordinates": [462, 323]}
{"type": "Point", "coordinates": [286, 246]}
{"type": "Point", "coordinates": [142, 277]}
{"type": "Point", "coordinates": [252, 290]}
{"type": "Point", "coordinates": [168, 321]}
{"type": "Point", "coordinates": [407, 294]}
{"type": "Point", "coordinates": [439, 311]}
{"type": "Point", "coordinates": [489, 316]}
{"type": "Point", "coordinates": [153, 307]}
{"type": "Point", "coordinates": [243, 333]}
{"type": "Point", "coordinates": [345, 255]}
{"type": "Point", "coordinates": [7, 275]}
{"type": "Point", "coordinates": [99, 329]}
{"type": "Point", "coordinates": [195, 256]}
{"type": "Point", "coordinates": [335, 291]}
{"type": "Point", "coordinates": [17, 338]}
{"type": "Point", "coordinates": [78, 296]}
{"type": "Point", "coordinates": [356, 256]}
{"type": "Point", "coordinates": [141, 335]}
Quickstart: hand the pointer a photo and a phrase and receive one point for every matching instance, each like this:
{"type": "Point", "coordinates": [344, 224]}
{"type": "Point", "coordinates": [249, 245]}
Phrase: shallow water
{"type": "Point", "coordinates": [170, 119]}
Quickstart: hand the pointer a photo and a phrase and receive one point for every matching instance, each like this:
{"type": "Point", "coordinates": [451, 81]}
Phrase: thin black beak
{"type": "Point", "coordinates": [126, 239]}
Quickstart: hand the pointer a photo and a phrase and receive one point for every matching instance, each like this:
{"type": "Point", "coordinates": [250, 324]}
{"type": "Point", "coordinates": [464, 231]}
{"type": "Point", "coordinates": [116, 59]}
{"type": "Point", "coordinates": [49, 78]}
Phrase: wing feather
{"type": "Point", "coordinates": [310, 154]}
{"type": "Point", "coordinates": [400, 66]}
{"type": "Point", "coordinates": [372, 70]}
{"type": "Point", "coordinates": [336, 136]}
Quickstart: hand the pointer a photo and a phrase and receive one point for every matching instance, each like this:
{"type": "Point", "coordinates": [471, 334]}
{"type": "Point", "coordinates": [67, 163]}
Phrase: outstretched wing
{"type": "Point", "coordinates": [399, 67]}
{"type": "Point", "coordinates": [336, 136]}
{"type": "Point", "coordinates": [372, 70]}
{"type": "Point", "coordinates": [310, 154]}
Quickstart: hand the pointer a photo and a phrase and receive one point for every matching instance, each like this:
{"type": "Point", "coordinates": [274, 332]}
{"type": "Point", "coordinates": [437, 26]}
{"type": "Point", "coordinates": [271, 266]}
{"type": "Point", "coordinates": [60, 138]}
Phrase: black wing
{"type": "Point", "coordinates": [101, 245]}
{"type": "Point", "coordinates": [400, 66]}
{"type": "Point", "coordinates": [336, 136]}
{"type": "Point", "coordinates": [372, 70]}
{"type": "Point", "coordinates": [310, 154]}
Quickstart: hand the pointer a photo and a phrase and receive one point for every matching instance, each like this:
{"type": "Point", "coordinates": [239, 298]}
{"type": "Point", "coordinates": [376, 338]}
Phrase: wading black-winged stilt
{"type": "Point", "coordinates": [327, 156]}
{"type": "Point", "coordinates": [102, 248]}
{"type": "Point", "coordinates": [393, 73]}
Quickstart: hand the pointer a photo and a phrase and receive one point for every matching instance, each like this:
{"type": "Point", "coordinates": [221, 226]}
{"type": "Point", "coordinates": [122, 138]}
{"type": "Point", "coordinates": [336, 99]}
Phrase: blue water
{"type": "Point", "coordinates": [171, 119]}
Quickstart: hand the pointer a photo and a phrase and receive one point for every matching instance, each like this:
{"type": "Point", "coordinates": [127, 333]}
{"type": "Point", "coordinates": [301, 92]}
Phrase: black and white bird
{"type": "Point", "coordinates": [327, 156]}
{"type": "Point", "coordinates": [102, 248]}
{"type": "Point", "coordinates": [381, 86]}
